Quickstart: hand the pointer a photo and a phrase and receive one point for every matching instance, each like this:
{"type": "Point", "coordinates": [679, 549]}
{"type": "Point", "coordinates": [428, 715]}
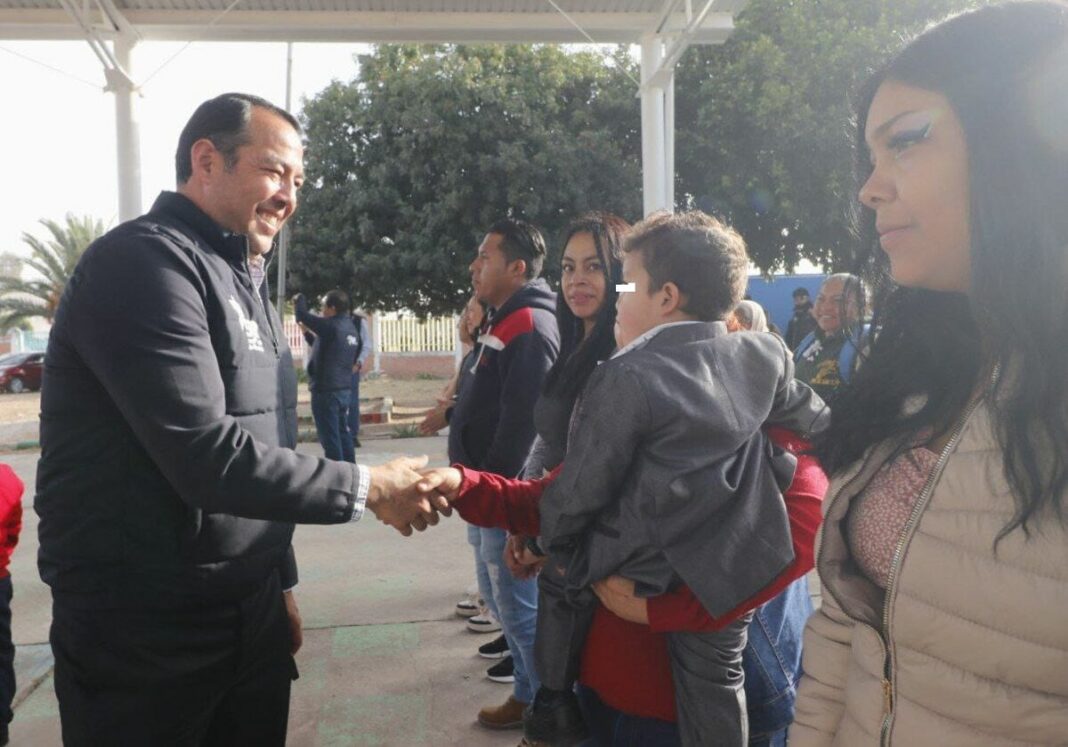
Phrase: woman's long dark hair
{"type": "Point", "coordinates": [580, 354]}
{"type": "Point", "coordinates": [1004, 71]}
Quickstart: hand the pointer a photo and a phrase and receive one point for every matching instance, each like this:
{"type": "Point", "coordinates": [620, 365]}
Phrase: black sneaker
{"type": "Point", "coordinates": [495, 649]}
{"type": "Point", "coordinates": [555, 718]}
{"type": "Point", "coordinates": [502, 671]}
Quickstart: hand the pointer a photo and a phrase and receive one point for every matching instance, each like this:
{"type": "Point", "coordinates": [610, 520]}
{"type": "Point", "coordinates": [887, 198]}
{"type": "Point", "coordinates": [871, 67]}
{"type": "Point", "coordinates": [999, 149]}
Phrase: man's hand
{"type": "Point", "coordinates": [443, 482]}
{"type": "Point", "coordinates": [395, 499]}
{"type": "Point", "coordinates": [296, 631]}
{"type": "Point", "coordinates": [433, 421]}
{"type": "Point", "coordinates": [617, 595]}
{"type": "Point", "coordinates": [520, 560]}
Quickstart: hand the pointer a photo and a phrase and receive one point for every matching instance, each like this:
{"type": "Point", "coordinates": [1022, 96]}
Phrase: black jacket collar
{"type": "Point", "coordinates": [229, 245]}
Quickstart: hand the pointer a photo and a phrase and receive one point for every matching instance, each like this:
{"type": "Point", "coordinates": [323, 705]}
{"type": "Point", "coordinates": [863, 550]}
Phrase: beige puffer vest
{"type": "Point", "coordinates": [978, 651]}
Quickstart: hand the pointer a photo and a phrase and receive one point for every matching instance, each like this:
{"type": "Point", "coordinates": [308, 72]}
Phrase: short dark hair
{"type": "Point", "coordinates": [224, 121]}
{"type": "Point", "coordinates": [706, 259]}
{"type": "Point", "coordinates": [338, 300]}
{"type": "Point", "coordinates": [799, 292]}
{"type": "Point", "coordinates": [521, 240]}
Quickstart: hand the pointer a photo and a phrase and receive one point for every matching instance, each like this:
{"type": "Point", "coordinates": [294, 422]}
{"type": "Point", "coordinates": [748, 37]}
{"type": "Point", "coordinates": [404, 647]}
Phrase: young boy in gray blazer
{"type": "Point", "coordinates": [669, 478]}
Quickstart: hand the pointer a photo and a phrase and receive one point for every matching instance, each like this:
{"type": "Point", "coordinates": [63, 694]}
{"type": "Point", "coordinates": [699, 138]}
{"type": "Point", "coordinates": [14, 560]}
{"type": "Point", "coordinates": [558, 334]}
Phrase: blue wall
{"type": "Point", "coordinates": [776, 295]}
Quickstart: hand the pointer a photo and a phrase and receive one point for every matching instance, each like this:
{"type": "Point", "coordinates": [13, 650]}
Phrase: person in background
{"type": "Point", "coordinates": [944, 549]}
{"type": "Point", "coordinates": [748, 316]}
{"type": "Point", "coordinates": [363, 351]}
{"type": "Point", "coordinates": [827, 357]}
{"type": "Point", "coordinates": [801, 323]}
{"type": "Point", "coordinates": [334, 350]}
{"type": "Point", "coordinates": [10, 526]}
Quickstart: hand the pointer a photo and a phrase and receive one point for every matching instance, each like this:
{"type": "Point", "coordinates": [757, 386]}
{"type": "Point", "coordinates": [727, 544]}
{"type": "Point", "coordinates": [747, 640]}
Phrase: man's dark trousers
{"type": "Point", "coordinates": [331, 413]}
{"type": "Point", "coordinates": [211, 677]}
{"type": "Point", "coordinates": [7, 656]}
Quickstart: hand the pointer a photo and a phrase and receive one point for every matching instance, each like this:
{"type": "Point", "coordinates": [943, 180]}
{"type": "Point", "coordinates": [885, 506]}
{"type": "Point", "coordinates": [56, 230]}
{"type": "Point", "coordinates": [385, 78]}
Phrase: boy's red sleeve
{"type": "Point", "coordinates": [681, 611]}
{"type": "Point", "coordinates": [490, 500]}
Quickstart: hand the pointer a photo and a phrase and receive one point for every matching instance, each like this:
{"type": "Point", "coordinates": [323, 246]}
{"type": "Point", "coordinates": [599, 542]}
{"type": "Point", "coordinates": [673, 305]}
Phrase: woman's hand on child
{"type": "Point", "coordinates": [617, 595]}
{"type": "Point", "coordinates": [522, 563]}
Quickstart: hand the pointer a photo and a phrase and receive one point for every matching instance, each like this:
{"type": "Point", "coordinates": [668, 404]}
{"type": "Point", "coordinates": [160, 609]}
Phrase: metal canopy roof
{"type": "Point", "coordinates": [605, 21]}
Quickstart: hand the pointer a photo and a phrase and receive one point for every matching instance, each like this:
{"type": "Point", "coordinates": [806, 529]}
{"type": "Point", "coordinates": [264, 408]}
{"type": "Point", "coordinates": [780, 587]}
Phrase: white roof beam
{"type": "Point", "coordinates": [364, 26]}
{"type": "Point", "coordinates": [662, 75]}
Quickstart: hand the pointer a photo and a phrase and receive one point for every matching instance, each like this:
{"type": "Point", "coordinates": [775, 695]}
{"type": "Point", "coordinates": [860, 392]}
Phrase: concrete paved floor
{"type": "Point", "coordinates": [384, 662]}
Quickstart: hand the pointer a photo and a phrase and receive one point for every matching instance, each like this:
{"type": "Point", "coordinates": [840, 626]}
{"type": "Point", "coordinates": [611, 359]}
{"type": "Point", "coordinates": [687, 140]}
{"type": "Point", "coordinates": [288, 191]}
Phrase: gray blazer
{"type": "Point", "coordinates": [668, 475]}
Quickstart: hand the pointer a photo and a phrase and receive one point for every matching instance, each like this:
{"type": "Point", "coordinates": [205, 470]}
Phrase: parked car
{"type": "Point", "coordinates": [21, 372]}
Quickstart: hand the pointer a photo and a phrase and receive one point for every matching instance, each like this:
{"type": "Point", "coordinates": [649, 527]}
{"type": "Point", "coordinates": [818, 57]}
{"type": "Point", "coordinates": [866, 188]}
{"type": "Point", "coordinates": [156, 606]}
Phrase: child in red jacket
{"type": "Point", "coordinates": [10, 525]}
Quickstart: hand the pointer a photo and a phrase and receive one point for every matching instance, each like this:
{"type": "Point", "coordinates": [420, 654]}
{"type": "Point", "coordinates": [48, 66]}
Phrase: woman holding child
{"type": "Point", "coordinates": [944, 551]}
{"type": "Point", "coordinates": [626, 669]}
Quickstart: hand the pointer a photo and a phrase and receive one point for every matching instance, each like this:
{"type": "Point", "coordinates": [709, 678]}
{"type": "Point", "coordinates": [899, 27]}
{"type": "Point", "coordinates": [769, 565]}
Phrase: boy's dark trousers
{"type": "Point", "coordinates": [7, 655]}
{"type": "Point", "coordinates": [210, 676]}
{"type": "Point", "coordinates": [705, 667]}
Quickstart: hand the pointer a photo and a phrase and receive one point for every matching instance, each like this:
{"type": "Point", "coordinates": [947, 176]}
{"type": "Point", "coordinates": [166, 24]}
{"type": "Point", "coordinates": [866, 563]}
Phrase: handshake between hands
{"type": "Point", "coordinates": [407, 496]}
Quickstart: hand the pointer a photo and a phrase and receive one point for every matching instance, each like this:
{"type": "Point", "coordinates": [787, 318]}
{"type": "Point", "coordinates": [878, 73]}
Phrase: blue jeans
{"type": "Point", "coordinates": [354, 406]}
{"type": "Point", "coordinates": [612, 728]}
{"type": "Point", "coordinates": [331, 410]}
{"type": "Point", "coordinates": [474, 536]}
{"type": "Point", "coordinates": [517, 609]}
{"type": "Point", "coordinates": [772, 663]}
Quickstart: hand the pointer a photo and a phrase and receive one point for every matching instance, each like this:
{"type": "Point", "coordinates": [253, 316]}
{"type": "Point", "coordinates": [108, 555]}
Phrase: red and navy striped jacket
{"type": "Point", "coordinates": [492, 424]}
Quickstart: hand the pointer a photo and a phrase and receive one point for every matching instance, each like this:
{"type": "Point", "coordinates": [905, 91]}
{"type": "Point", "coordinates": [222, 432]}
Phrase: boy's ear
{"type": "Point", "coordinates": [672, 299]}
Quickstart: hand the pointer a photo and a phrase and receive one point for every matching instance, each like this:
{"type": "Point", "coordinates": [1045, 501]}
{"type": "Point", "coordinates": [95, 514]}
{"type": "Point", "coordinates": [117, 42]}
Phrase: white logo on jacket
{"type": "Point", "coordinates": [248, 326]}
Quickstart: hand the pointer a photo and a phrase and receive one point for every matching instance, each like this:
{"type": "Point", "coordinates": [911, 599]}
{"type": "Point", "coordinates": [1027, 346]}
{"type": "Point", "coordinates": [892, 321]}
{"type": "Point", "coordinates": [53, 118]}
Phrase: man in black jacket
{"type": "Point", "coordinates": [168, 487]}
{"type": "Point", "coordinates": [334, 350]}
{"type": "Point", "coordinates": [801, 323]}
{"type": "Point", "coordinates": [491, 427]}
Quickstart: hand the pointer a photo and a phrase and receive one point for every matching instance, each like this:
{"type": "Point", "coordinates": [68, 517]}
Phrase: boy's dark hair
{"type": "Point", "coordinates": [521, 240]}
{"type": "Point", "coordinates": [799, 292]}
{"type": "Point", "coordinates": [337, 300]}
{"type": "Point", "coordinates": [704, 258]}
{"type": "Point", "coordinates": [224, 121]}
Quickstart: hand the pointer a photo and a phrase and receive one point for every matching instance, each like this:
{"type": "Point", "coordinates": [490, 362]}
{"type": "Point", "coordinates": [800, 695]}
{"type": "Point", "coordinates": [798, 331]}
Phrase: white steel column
{"type": "Point", "coordinates": [657, 188]}
{"type": "Point", "coordinates": [127, 131]}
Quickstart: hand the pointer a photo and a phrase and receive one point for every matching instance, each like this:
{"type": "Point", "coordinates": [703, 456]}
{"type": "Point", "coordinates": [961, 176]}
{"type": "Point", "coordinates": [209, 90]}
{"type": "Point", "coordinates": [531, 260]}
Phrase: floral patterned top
{"type": "Point", "coordinates": [879, 514]}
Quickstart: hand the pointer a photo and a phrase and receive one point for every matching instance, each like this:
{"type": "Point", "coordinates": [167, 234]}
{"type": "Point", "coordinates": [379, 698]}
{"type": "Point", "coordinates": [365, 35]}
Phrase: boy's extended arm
{"type": "Point", "coordinates": [490, 500]}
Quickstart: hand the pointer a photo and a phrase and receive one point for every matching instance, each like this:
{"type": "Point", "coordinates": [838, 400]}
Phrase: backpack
{"type": "Point", "coordinates": [847, 356]}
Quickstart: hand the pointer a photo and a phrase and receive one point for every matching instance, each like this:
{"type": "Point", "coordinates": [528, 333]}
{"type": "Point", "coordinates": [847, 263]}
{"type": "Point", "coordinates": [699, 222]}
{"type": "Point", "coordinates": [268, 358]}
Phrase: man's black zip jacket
{"type": "Point", "coordinates": [167, 477]}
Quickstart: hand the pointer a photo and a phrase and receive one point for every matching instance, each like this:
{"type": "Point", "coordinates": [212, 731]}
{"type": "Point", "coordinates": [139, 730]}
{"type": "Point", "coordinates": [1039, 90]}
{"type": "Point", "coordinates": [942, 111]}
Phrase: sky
{"type": "Point", "coordinates": [58, 128]}
{"type": "Point", "coordinates": [59, 133]}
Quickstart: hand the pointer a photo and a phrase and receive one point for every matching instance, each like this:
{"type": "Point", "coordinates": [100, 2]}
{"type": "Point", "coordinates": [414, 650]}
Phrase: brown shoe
{"type": "Point", "coordinates": [506, 716]}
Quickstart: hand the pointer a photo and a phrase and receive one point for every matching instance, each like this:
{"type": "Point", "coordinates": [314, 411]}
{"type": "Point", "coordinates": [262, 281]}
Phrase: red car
{"type": "Point", "coordinates": [21, 372]}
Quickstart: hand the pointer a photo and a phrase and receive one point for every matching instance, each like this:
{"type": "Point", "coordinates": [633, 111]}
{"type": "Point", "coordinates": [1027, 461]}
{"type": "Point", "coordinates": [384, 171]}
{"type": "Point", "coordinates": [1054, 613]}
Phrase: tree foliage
{"type": "Point", "coordinates": [52, 262]}
{"type": "Point", "coordinates": [412, 160]}
{"type": "Point", "coordinates": [765, 121]}
{"type": "Point", "coordinates": [410, 163]}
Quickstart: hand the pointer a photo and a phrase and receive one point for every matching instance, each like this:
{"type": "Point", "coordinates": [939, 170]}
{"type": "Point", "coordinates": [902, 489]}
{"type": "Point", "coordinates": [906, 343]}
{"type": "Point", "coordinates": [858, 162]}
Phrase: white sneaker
{"type": "Point", "coordinates": [467, 607]}
{"type": "Point", "coordinates": [483, 623]}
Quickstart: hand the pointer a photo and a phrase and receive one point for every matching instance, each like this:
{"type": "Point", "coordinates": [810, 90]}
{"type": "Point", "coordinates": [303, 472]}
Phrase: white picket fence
{"type": "Point", "coordinates": [396, 335]}
{"type": "Point", "coordinates": [409, 335]}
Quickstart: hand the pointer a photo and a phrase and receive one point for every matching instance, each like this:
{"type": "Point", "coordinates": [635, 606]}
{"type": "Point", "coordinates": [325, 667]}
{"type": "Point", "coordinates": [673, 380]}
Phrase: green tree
{"type": "Point", "coordinates": [764, 121]}
{"type": "Point", "coordinates": [52, 261]}
{"type": "Point", "coordinates": [410, 163]}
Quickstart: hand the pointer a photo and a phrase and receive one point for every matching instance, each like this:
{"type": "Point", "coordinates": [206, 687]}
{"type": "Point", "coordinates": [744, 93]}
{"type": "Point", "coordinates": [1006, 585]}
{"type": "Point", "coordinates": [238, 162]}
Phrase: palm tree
{"type": "Point", "coordinates": [53, 262]}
